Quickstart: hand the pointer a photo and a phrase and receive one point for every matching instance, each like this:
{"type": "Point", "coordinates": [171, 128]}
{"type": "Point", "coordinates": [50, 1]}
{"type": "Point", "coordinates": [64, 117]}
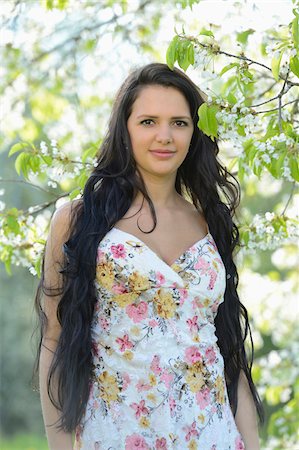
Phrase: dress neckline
{"type": "Point", "coordinates": [208, 235]}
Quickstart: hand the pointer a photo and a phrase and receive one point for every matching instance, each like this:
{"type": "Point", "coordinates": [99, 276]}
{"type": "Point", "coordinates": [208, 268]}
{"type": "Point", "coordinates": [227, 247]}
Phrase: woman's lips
{"type": "Point", "coordinates": [162, 153]}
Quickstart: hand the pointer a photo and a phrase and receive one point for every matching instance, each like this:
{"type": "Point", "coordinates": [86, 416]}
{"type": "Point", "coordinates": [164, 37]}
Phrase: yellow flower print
{"type": "Point", "coordinates": [138, 282]}
{"type": "Point", "coordinates": [206, 302]}
{"type": "Point", "coordinates": [165, 304]}
{"type": "Point", "coordinates": [152, 398]}
{"type": "Point", "coordinates": [105, 274]}
{"type": "Point", "coordinates": [128, 355]}
{"type": "Point", "coordinates": [109, 389]}
{"type": "Point", "coordinates": [152, 379]}
{"type": "Point", "coordinates": [144, 422]}
{"type": "Point", "coordinates": [219, 387]}
{"type": "Point", "coordinates": [201, 418]}
{"type": "Point", "coordinates": [195, 376]}
{"type": "Point", "coordinates": [126, 299]}
{"type": "Point", "coordinates": [214, 263]}
{"type": "Point", "coordinates": [192, 445]}
{"type": "Point", "coordinates": [176, 267]}
{"type": "Point", "coordinates": [135, 331]}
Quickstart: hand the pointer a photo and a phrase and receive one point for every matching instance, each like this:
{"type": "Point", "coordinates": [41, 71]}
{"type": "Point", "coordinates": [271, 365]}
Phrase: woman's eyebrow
{"type": "Point", "coordinates": [156, 117]}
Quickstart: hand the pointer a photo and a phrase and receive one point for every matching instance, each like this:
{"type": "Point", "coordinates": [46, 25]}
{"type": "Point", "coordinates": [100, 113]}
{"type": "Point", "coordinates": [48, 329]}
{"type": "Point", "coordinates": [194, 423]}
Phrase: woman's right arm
{"type": "Point", "coordinates": [57, 440]}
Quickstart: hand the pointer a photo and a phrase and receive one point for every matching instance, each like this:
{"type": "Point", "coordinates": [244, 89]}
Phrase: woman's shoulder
{"type": "Point", "coordinates": [64, 215]}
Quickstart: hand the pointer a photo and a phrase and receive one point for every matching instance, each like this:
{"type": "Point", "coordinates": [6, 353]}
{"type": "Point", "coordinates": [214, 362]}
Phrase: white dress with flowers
{"type": "Point", "coordinates": [158, 375]}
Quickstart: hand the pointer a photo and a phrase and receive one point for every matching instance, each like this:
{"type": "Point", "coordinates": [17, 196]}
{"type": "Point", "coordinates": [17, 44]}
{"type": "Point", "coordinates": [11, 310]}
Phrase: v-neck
{"type": "Point", "coordinates": [170, 266]}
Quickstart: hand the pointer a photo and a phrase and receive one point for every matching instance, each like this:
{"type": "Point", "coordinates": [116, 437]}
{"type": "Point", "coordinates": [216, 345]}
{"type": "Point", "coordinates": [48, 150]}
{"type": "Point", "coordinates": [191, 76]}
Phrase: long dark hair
{"type": "Point", "coordinates": [107, 196]}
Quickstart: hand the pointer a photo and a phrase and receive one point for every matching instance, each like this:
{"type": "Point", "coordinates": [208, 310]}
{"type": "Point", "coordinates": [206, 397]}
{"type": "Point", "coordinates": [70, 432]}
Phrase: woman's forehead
{"type": "Point", "coordinates": [156, 98]}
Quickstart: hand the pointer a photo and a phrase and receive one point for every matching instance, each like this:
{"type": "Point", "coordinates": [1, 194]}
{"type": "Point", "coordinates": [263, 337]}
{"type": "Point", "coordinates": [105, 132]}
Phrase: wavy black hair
{"type": "Point", "coordinates": [107, 196]}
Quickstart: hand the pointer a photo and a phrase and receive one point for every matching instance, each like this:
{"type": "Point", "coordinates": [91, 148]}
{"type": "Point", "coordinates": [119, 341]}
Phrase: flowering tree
{"type": "Point", "coordinates": [251, 108]}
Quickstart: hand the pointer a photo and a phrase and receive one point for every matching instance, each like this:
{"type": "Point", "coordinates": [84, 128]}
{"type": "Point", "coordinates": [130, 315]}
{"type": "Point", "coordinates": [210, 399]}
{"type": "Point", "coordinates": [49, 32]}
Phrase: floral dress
{"type": "Point", "coordinates": [158, 376]}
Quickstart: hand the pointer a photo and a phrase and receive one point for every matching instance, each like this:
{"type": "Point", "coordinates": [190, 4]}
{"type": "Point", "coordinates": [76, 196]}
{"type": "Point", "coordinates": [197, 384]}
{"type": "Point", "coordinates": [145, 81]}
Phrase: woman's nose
{"type": "Point", "coordinates": [164, 135]}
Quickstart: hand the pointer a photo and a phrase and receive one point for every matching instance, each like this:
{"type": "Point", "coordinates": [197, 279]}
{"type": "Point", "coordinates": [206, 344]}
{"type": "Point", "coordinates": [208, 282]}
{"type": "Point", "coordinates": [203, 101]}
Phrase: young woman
{"type": "Point", "coordinates": [143, 332]}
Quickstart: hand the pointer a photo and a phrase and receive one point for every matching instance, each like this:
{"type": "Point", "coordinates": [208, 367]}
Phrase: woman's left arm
{"type": "Point", "coordinates": [246, 416]}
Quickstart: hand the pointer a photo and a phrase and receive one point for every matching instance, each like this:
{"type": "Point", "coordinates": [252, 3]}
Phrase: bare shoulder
{"type": "Point", "coordinates": [62, 217]}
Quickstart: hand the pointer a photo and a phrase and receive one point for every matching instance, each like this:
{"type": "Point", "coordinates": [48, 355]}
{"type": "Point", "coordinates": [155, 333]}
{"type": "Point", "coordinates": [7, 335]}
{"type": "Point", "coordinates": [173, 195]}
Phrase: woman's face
{"type": "Point", "coordinates": [160, 128]}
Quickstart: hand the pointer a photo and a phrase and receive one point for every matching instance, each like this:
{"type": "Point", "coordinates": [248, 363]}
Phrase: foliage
{"type": "Point", "coordinates": [24, 442]}
{"type": "Point", "coordinates": [59, 111]}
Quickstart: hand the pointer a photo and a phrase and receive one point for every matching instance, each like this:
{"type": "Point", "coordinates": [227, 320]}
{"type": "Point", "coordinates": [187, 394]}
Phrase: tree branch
{"type": "Point", "coordinates": [276, 109]}
{"type": "Point", "coordinates": [289, 199]}
{"type": "Point", "coordinates": [35, 186]}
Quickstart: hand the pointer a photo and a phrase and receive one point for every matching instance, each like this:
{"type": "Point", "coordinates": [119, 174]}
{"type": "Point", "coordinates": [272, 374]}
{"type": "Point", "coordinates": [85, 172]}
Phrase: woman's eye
{"type": "Point", "coordinates": [181, 123]}
{"type": "Point", "coordinates": [147, 122]}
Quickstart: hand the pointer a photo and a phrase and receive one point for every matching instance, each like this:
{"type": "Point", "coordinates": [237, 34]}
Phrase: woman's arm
{"type": "Point", "coordinates": [57, 440]}
{"type": "Point", "coordinates": [246, 416]}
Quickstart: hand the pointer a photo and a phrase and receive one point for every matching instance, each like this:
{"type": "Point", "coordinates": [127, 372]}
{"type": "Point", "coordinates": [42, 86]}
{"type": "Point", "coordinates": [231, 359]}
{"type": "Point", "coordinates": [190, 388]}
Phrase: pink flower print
{"type": "Point", "coordinates": [119, 289]}
{"type": "Point", "coordinates": [202, 265]}
{"type": "Point", "coordinates": [126, 380]}
{"type": "Point", "coordinates": [172, 404]}
{"type": "Point", "coordinates": [213, 276]}
{"type": "Point", "coordinates": [239, 445]}
{"type": "Point", "coordinates": [192, 355]}
{"type": "Point", "coordinates": [95, 349]}
{"type": "Point", "coordinates": [139, 409]}
{"type": "Point", "coordinates": [210, 355]}
{"type": "Point", "coordinates": [161, 444]}
{"type": "Point", "coordinates": [104, 323]}
{"type": "Point", "coordinates": [191, 431]}
{"type": "Point", "coordinates": [167, 378]}
{"type": "Point", "coordinates": [193, 325]}
{"type": "Point", "coordinates": [118, 251]}
{"type": "Point", "coordinates": [203, 398]}
{"type": "Point", "coordinates": [196, 303]}
{"type": "Point", "coordinates": [142, 386]}
{"type": "Point", "coordinates": [100, 256]}
{"type": "Point", "coordinates": [153, 323]}
{"type": "Point", "coordinates": [160, 278]}
{"type": "Point", "coordinates": [183, 295]}
{"type": "Point", "coordinates": [124, 343]}
{"type": "Point", "coordinates": [137, 312]}
{"type": "Point", "coordinates": [136, 442]}
{"type": "Point", "coordinates": [155, 365]}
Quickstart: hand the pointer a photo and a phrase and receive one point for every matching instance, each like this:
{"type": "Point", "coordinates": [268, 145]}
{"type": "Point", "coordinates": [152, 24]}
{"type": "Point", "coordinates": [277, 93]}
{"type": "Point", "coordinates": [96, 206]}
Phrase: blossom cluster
{"type": "Point", "coordinates": [263, 233]}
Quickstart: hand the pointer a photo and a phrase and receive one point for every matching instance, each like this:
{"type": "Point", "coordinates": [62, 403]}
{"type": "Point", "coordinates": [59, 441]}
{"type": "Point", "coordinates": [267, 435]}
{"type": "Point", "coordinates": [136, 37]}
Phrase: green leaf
{"type": "Point", "coordinates": [275, 66]}
{"type": "Point", "coordinates": [49, 4]}
{"type": "Point", "coordinates": [205, 32]}
{"type": "Point", "coordinates": [89, 153]}
{"type": "Point", "coordinates": [279, 163]}
{"type": "Point", "coordinates": [17, 147]}
{"type": "Point", "coordinates": [294, 65]}
{"type": "Point", "coordinates": [83, 177]}
{"type": "Point", "coordinates": [7, 264]}
{"type": "Point", "coordinates": [243, 36]}
{"type": "Point", "coordinates": [34, 163]}
{"type": "Point", "coordinates": [207, 120]}
{"type": "Point", "coordinates": [22, 164]}
{"type": "Point", "coordinates": [295, 32]}
{"type": "Point", "coordinates": [294, 166]}
{"type": "Point", "coordinates": [231, 98]}
{"type": "Point", "coordinates": [183, 58]}
{"type": "Point", "coordinates": [38, 264]}
{"type": "Point", "coordinates": [191, 53]}
{"type": "Point", "coordinates": [74, 193]}
{"type": "Point", "coordinates": [12, 224]}
{"type": "Point", "coordinates": [171, 54]}
{"type": "Point", "coordinates": [228, 67]}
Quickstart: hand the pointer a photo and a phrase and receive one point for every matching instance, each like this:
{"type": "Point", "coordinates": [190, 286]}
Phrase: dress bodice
{"type": "Point", "coordinates": [158, 375]}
